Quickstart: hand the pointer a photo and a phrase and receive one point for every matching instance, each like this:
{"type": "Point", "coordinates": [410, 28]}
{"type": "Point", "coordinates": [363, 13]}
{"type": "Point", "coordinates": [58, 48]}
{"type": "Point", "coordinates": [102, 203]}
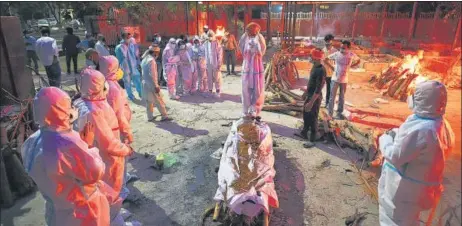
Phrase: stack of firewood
{"type": "Point", "coordinates": [395, 81]}
{"type": "Point", "coordinates": [15, 182]}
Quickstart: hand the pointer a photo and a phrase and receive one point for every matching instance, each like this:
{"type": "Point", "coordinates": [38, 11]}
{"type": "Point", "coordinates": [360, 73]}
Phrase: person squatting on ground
{"type": "Point", "coordinates": [214, 60]}
{"type": "Point", "coordinates": [48, 53]}
{"type": "Point", "coordinates": [98, 127]}
{"type": "Point", "coordinates": [186, 69]}
{"type": "Point", "coordinates": [170, 64]}
{"type": "Point", "coordinates": [126, 54]}
{"type": "Point", "coordinates": [30, 41]}
{"type": "Point", "coordinates": [151, 87]}
{"type": "Point", "coordinates": [344, 60]}
{"type": "Point", "coordinates": [198, 59]}
{"type": "Point", "coordinates": [253, 47]}
{"type": "Point", "coordinates": [67, 172]}
{"type": "Point", "coordinates": [70, 49]}
{"type": "Point", "coordinates": [414, 158]}
{"type": "Point", "coordinates": [313, 97]}
{"type": "Point", "coordinates": [328, 64]}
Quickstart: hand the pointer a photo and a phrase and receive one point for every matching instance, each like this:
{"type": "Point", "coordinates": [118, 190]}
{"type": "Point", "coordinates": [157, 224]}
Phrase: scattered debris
{"type": "Point", "coordinates": [227, 125]}
{"type": "Point", "coordinates": [348, 170]}
{"type": "Point", "coordinates": [349, 104]}
{"type": "Point", "coordinates": [325, 163]}
{"type": "Point", "coordinates": [355, 86]}
{"type": "Point", "coordinates": [356, 219]}
{"type": "Point", "coordinates": [381, 101]}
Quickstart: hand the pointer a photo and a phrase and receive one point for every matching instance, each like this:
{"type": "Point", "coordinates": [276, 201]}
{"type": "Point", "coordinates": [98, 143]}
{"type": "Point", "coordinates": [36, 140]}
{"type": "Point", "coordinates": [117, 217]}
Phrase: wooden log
{"type": "Point", "coordinates": [293, 95]}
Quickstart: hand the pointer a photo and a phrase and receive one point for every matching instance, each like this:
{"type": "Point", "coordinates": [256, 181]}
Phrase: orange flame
{"type": "Point", "coordinates": [220, 31]}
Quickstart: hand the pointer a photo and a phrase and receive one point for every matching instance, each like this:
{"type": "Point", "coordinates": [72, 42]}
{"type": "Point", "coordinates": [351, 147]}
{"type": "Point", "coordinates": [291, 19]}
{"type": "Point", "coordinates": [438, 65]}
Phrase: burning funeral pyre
{"type": "Point", "coordinates": [399, 80]}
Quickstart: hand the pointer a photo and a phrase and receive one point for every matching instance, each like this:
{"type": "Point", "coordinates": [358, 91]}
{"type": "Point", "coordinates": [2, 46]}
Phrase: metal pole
{"type": "Point", "coordinates": [268, 24]}
{"type": "Point", "coordinates": [294, 15]}
{"type": "Point", "coordinates": [353, 30]}
{"type": "Point", "coordinates": [313, 11]}
{"type": "Point", "coordinates": [288, 23]}
{"type": "Point", "coordinates": [197, 18]}
{"type": "Point", "coordinates": [235, 19]}
{"type": "Point", "coordinates": [208, 14]}
{"type": "Point", "coordinates": [283, 22]}
{"type": "Point", "coordinates": [186, 9]}
{"type": "Point", "coordinates": [411, 26]}
{"type": "Point", "coordinates": [382, 26]}
{"type": "Point", "coordinates": [435, 17]}
{"type": "Point", "coordinates": [457, 35]}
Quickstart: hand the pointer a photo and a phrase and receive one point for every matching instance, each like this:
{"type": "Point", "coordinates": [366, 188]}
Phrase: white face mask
{"type": "Point", "coordinates": [182, 47]}
{"type": "Point", "coordinates": [410, 102]}
{"type": "Point", "coordinates": [73, 115]}
{"type": "Point", "coordinates": [158, 39]}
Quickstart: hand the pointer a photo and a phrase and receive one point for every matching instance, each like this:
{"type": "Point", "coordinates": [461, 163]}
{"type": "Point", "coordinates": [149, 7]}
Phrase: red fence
{"type": "Point", "coordinates": [395, 25]}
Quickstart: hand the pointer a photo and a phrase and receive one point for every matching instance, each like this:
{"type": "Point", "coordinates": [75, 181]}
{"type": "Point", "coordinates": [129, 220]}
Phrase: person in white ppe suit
{"type": "Point", "coordinates": [170, 66]}
{"type": "Point", "coordinates": [151, 87]}
{"type": "Point", "coordinates": [253, 46]}
{"type": "Point", "coordinates": [186, 69]}
{"type": "Point", "coordinates": [214, 60]}
{"type": "Point", "coordinates": [67, 172]}
{"type": "Point", "coordinates": [198, 59]}
{"type": "Point", "coordinates": [412, 173]}
{"type": "Point", "coordinates": [98, 126]}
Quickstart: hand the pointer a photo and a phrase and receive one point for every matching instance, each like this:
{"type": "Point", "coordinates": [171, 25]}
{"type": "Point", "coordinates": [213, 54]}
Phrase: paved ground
{"type": "Point", "coordinates": [314, 186]}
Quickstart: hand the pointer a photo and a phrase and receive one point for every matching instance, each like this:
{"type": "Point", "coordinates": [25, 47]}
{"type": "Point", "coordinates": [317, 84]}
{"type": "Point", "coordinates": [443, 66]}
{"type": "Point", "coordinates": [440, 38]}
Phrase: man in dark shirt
{"type": "Point", "coordinates": [313, 97]}
{"type": "Point", "coordinates": [70, 42]}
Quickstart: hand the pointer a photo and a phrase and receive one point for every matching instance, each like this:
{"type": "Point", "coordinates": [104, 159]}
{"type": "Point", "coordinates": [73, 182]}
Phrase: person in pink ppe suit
{"type": "Point", "coordinates": [109, 67]}
{"type": "Point", "coordinates": [66, 171]}
{"type": "Point", "coordinates": [98, 126]}
{"type": "Point", "coordinates": [214, 60]}
{"type": "Point", "coordinates": [253, 46]}
{"type": "Point", "coordinates": [414, 158]}
{"type": "Point", "coordinates": [117, 99]}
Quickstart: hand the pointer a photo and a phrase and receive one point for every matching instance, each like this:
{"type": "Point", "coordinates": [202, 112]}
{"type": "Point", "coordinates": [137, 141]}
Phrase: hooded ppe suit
{"type": "Point", "coordinates": [170, 64]}
{"type": "Point", "coordinates": [98, 127]}
{"type": "Point", "coordinates": [198, 59]}
{"type": "Point", "coordinates": [126, 54]}
{"type": "Point", "coordinates": [214, 60]}
{"type": "Point", "coordinates": [117, 99]}
{"type": "Point", "coordinates": [186, 69]}
{"type": "Point", "coordinates": [253, 79]}
{"type": "Point", "coordinates": [150, 84]}
{"type": "Point", "coordinates": [66, 171]}
{"type": "Point", "coordinates": [412, 174]}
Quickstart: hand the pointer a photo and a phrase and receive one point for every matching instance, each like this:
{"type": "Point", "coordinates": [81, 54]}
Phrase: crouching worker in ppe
{"type": "Point", "coordinates": [214, 60]}
{"type": "Point", "coordinates": [117, 99]}
{"type": "Point", "coordinates": [412, 174]}
{"type": "Point", "coordinates": [186, 69]}
{"type": "Point", "coordinates": [246, 173]}
{"type": "Point", "coordinates": [151, 88]}
{"type": "Point", "coordinates": [98, 126]}
{"type": "Point", "coordinates": [198, 59]}
{"type": "Point", "coordinates": [170, 63]}
{"type": "Point", "coordinates": [66, 171]}
{"type": "Point", "coordinates": [253, 47]}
